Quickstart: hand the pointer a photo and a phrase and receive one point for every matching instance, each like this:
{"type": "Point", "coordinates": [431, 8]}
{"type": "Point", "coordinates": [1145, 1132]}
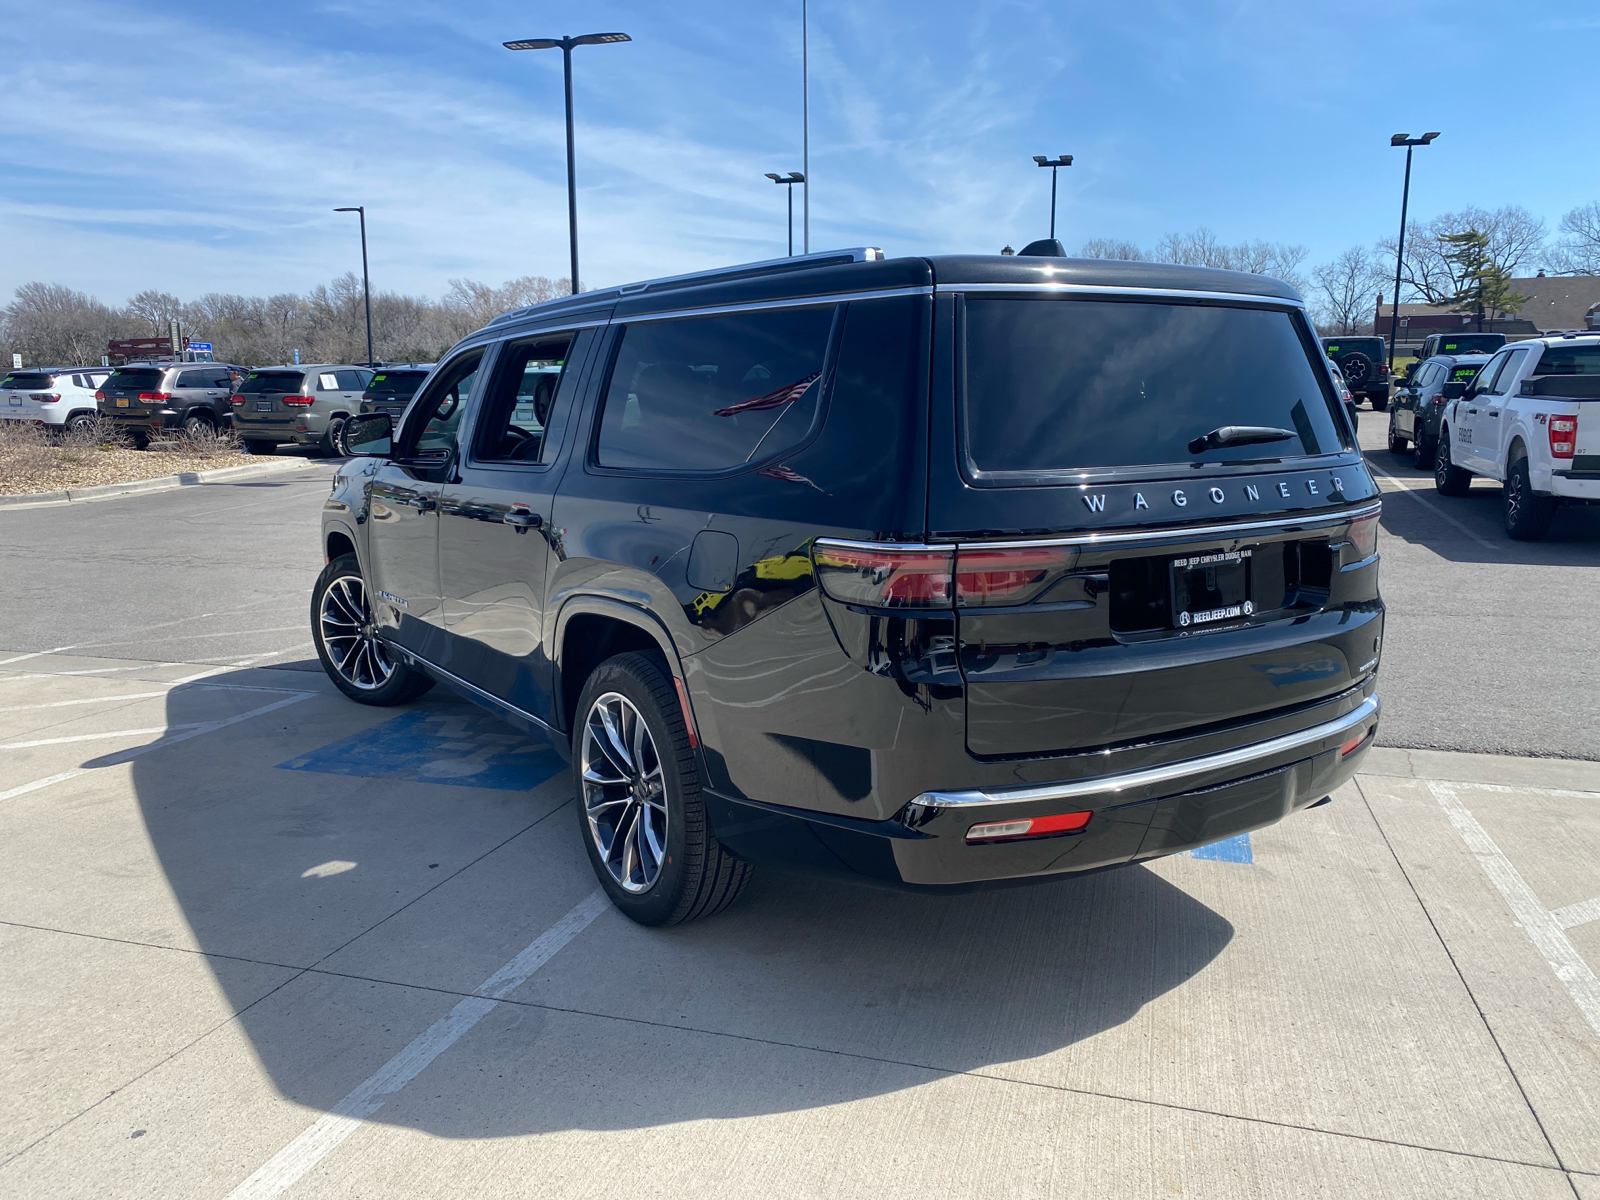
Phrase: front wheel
{"type": "Point", "coordinates": [358, 661]}
{"type": "Point", "coordinates": [1527, 513]}
{"type": "Point", "coordinates": [1448, 479]}
{"type": "Point", "coordinates": [640, 810]}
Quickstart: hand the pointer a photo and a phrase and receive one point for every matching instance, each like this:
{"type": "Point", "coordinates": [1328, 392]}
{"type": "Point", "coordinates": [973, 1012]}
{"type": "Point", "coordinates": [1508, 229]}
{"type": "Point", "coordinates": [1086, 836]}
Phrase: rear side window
{"type": "Point", "coordinates": [351, 380]}
{"type": "Point", "coordinates": [1569, 360]}
{"type": "Point", "coordinates": [198, 379]}
{"type": "Point", "coordinates": [145, 379]}
{"type": "Point", "coordinates": [1063, 385]}
{"type": "Point", "coordinates": [710, 393]}
{"type": "Point", "coordinates": [272, 381]}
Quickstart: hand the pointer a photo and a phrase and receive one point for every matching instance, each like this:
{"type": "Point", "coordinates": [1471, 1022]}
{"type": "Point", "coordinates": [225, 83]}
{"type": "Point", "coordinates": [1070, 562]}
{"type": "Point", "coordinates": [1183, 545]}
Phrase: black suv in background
{"type": "Point", "coordinates": [1365, 363]}
{"type": "Point", "coordinates": [1419, 403]}
{"type": "Point", "coordinates": [929, 571]}
{"type": "Point", "coordinates": [142, 398]}
{"type": "Point", "coordinates": [392, 387]}
{"type": "Point", "coordinates": [1459, 343]}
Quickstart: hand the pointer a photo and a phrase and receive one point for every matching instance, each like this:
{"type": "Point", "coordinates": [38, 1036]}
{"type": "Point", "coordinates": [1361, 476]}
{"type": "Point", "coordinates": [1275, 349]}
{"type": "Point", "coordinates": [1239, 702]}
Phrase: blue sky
{"type": "Point", "coordinates": [200, 148]}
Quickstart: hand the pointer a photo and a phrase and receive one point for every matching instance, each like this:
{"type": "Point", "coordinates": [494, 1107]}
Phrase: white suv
{"type": "Point", "coordinates": [57, 397]}
{"type": "Point", "coordinates": [1531, 419]}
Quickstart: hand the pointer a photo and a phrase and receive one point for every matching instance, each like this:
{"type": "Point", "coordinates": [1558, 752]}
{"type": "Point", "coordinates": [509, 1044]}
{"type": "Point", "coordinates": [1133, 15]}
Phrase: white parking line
{"type": "Point", "coordinates": [1435, 509]}
{"type": "Point", "coordinates": [125, 755]}
{"type": "Point", "coordinates": [1580, 913]}
{"type": "Point", "coordinates": [1544, 928]}
{"type": "Point", "coordinates": [10, 708]}
{"type": "Point", "coordinates": [344, 1118]}
{"type": "Point", "coordinates": [95, 737]}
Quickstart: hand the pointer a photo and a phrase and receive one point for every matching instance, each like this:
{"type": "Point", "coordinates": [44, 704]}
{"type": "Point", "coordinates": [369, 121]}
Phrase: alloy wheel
{"type": "Point", "coordinates": [351, 637]}
{"type": "Point", "coordinates": [624, 792]}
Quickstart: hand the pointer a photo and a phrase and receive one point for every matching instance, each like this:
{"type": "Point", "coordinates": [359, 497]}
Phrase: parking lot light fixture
{"type": "Point", "coordinates": [366, 283]}
{"type": "Point", "coordinates": [1061, 160]}
{"type": "Point", "coordinates": [789, 180]}
{"type": "Point", "coordinates": [1410, 143]}
{"type": "Point", "coordinates": [565, 45]}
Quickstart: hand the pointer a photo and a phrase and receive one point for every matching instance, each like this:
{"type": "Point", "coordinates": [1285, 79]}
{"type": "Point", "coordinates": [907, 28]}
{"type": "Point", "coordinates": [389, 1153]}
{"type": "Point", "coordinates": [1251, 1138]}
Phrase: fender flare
{"type": "Point", "coordinates": [590, 604]}
{"type": "Point", "coordinates": [341, 526]}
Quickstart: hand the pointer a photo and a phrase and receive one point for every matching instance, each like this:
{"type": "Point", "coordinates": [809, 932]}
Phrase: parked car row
{"type": "Point", "coordinates": [302, 404]}
{"type": "Point", "coordinates": [1528, 416]}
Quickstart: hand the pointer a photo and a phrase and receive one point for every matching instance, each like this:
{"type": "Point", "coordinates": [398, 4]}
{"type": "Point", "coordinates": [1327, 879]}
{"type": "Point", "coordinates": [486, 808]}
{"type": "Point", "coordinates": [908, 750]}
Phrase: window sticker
{"type": "Point", "coordinates": [329, 381]}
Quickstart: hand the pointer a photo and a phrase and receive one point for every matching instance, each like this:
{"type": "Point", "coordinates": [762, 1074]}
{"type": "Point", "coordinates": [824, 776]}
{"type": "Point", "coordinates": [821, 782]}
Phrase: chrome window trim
{"type": "Point", "coordinates": [1109, 290]}
{"type": "Point", "coordinates": [506, 334]}
{"type": "Point", "coordinates": [1111, 785]}
{"type": "Point", "coordinates": [758, 305]}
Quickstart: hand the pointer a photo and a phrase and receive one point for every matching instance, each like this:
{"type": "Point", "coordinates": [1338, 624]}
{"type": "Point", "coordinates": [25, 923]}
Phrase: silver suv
{"type": "Point", "coordinates": [306, 405]}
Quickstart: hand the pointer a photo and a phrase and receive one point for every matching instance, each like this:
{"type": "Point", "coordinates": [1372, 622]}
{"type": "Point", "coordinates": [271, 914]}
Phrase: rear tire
{"type": "Point", "coordinates": [197, 426]}
{"type": "Point", "coordinates": [1422, 452]}
{"type": "Point", "coordinates": [259, 446]}
{"type": "Point", "coordinates": [329, 446]}
{"type": "Point", "coordinates": [1448, 479]}
{"type": "Point", "coordinates": [1527, 513]}
{"type": "Point", "coordinates": [1397, 444]}
{"type": "Point", "coordinates": [355, 658]}
{"type": "Point", "coordinates": [641, 813]}
{"type": "Point", "coordinates": [1379, 403]}
{"type": "Point", "coordinates": [80, 423]}
{"type": "Point", "coordinates": [1357, 369]}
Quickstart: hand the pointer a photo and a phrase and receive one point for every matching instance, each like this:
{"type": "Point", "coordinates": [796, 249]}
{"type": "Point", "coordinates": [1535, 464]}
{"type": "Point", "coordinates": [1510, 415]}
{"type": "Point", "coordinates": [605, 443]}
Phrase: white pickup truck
{"type": "Point", "coordinates": [1531, 419]}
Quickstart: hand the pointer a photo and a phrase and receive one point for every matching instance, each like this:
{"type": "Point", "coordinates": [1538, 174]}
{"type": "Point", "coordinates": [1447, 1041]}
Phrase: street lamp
{"type": "Point", "coordinates": [1064, 160]}
{"type": "Point", "coordinates": [366, 284]}
{"type": "Point", "coordinates": [566, 44]}
{"type": "Point", "coordinates": [1406, 140]}
{"type": "Point", "coordinates": [793, 178]}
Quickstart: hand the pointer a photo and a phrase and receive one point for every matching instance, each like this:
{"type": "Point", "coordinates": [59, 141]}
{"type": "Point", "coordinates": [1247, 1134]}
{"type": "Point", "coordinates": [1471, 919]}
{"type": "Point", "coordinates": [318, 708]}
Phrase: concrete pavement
{"type": "Point", "coordinates": [239, 953]}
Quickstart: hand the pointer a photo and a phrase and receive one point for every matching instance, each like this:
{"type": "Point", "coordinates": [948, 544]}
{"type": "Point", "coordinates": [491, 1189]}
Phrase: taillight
{"type": "Point", "coordinates": [995, 831]}
{"type": "Point", "coordinates": [155, 395]}
{"type": "Point", "coordinates": [1000, 575]}
{"type": "Point", "coordinates": [1563, 435]}
{"type": "Point", "coordinates": [1438, 400]}
{"type": "Point", "coordinates": [884, 576]}
{"type": "Point", "coordinates": [99, 395]}
{"type": "Point", "coordinates": [44, 397]}
{"type": "Point", "coordinates": [300, 400]}
{"type": "Point", "coordinates": [1364, 536]}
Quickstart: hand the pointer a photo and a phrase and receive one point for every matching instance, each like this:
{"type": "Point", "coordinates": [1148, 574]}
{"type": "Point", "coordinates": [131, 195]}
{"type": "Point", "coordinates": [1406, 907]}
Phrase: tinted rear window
{"type": "Point", "coordinates": [396, 383]}
{"type": "Point", "coordinates": [1466, 343]}
{"type": "Point", "coordinates": [1569, 360]}
{"type": "Point", "coordinates": [708, 393]}
{"type": "Point", "coordinates": [272, 381]}
{"type": "Point", "coordinates": [140, 378]}
{"type": "Point", "coordinates": [27, 383]}
{"type": "Point", "coordinates": [1464, 371]}
{"type": "Point", "coordinates": [1055, 385]}
{"type": "Point", "coordinates": [1371, 347]}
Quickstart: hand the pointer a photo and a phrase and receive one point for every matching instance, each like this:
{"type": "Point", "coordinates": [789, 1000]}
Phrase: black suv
{"type": "Point", "coordinates": [142, 398]}
{"type": "Point", "coordinates": [930, 571]}
{"type": "Point", "coordinates": [1420, 399]}
{"type": "Point", "coordinates": [1364, 361]}
{"type": "Point", "coordinates": [1459, 343]}
{"type": "Point", "coordinates": [392, 386]}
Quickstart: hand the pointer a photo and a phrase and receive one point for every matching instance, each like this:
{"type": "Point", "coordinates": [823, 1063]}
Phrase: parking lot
{"type": "Point", "coordinates": [259, 940]}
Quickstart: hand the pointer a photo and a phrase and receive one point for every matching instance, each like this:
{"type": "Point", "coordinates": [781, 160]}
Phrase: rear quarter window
{"type": "Point", "coordinates": [1052, 386]}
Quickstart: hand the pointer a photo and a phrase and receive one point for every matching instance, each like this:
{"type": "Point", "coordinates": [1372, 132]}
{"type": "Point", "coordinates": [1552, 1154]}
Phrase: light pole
{"type": "Point", "coordinates": [366, 283]}
{"type": "Point", "coordinates": [1064, 160]}
{"type": "Point", "coordinates": [1406, 140]}
{"type": "Point", "coordinates": [793, 178]}
{"type": "Point", "coordinates": [565, 44]}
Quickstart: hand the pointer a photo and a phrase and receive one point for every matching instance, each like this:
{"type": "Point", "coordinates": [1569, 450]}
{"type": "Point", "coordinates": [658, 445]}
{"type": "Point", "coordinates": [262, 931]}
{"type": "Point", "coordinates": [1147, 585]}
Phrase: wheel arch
{"type": "Point", "coordinates": [590, 629]}
{"type": "Point", "coordinates": [338, 539]}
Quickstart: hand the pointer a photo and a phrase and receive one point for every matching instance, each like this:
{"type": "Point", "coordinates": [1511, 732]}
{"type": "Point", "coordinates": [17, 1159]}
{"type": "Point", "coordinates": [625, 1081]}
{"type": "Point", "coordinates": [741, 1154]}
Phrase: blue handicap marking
{"type": "Point", "coordinates": [1234, 849]}
{"type": "Point", "coordinates": [451, 744]}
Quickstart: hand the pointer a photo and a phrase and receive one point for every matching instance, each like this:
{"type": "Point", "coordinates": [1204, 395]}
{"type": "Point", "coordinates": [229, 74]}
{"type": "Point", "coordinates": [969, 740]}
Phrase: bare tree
{"type": "Point", "coordinates": [1578, 252]}
{"type": "Point", "coordinates": [1514, 238]}
{"type": "Point", "coordinates": [1346, 289]}
{"type": "Point", "coordinates": [159, 309]}
{"type": "Point", "coordinates": [50, 324]}
{"type": "Point", "coordinates": [1201, 248]}
{"type": "Point", "coordinates": [1111, 248]}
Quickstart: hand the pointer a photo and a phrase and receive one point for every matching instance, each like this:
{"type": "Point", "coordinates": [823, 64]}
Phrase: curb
{"type": "Point", "coordinates": [160, 483]}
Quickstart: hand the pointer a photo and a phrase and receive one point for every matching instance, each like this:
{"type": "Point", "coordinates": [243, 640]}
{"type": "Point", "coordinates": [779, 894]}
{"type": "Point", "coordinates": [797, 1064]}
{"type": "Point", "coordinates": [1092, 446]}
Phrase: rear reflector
{"type": "Point", "coordinates": [993, 831]}
{"type": "Point", "coordinates": [1563, 435]}
{"type": "Point", "coordinates": [1347, 746]}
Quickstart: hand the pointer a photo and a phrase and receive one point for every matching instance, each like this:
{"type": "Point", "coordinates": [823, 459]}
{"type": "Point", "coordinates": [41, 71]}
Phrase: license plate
{"type": "Point", "coordinates": [1209, 588]}
{"type": "Point", "coordinates": [122, 402]}
{"type": "Point", "coordinates": [263, 406]}
{"type": "Point", "coordinates": [17, 400]}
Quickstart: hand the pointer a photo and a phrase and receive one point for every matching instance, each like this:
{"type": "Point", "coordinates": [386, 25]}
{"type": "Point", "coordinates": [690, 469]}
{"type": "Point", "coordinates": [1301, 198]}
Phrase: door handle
{"type": "Point", "coordinates": [423, 503]}
{"type": "Point", "coordinates": [1472, 411]}
{"type": "Point", "coordinates": [523, 520]}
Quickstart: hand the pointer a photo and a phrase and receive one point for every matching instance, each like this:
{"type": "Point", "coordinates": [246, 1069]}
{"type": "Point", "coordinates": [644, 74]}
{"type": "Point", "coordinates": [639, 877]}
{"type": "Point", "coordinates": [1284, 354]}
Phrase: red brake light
{"type": "Point", "coordinates": [1000, 575]}
{"type": "Point", "coordinates": [1364, 536]}
{"type": "Point", "coordinates": [1563, 436]}
{"type": "Point", "coordinates": [884, 576]}
{"type": "Point", "coordinates": [155, 395]}
{"type": "Point", "coordinates": [301, 400]}
{"type": "Point", "coordinates": [994, 831]}
{"type": "Point", "coordinates": [44, 397]}
{"type": "Point", "coordinates": [99, 395]}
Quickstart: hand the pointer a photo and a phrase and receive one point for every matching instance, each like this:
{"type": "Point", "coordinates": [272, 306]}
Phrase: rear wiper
{"type": "Point", "coordinates": [1239, 435]}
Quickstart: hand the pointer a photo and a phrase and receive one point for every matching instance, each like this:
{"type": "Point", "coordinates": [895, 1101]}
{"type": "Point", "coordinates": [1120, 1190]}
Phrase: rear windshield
{"type": "Point", "coordinates": [392, 383]}
{"type": "Point", "coordinates": [1055, 385]}
{"type": "Point", "coordinates": [1371, 346]}
{"type": "Point", "coordinates": [272, 381]}
{"type": "Point", "coordinates": [1569, 360]}
{"type": "Point", "coordinates": [27, 383]}
{"type": "Point", "coordinates": [1472, 343]}
{"type": "Point", "coordinates": [1464, 371]}
{"type": "Point", "coordinates": [131, 380]}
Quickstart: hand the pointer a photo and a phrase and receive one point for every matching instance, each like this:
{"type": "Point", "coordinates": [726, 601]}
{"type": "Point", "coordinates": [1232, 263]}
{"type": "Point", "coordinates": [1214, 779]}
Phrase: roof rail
{"type": "Point", "coordinates": [795, 262]}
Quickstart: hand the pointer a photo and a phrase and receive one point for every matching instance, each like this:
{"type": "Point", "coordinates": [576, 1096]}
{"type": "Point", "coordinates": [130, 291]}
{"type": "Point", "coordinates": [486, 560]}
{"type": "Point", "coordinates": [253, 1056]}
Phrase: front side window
{"type": "Point", "coordinates": [1508, 373]}
{"type": "Point", "coordinates": [437, 416]}
{"type": "Point", "coordinates": [713, 393]}
{"type": "Point", "coordinates": [1484, 382]}
{"type": "Point", "coordinates": [1066, 385]}
{"type": "Point", "coordinates": [516, 418]}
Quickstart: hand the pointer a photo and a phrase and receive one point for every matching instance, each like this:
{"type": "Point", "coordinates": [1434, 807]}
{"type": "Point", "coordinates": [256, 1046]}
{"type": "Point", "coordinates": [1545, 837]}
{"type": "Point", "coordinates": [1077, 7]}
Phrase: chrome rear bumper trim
{"type": "Point", "coordinates": [1111, 785]}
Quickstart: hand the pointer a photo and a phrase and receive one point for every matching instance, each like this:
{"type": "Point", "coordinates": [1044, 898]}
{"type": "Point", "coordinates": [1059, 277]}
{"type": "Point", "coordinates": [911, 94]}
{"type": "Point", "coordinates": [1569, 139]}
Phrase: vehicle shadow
{"type": "Point", "coordinates": [900, 985]}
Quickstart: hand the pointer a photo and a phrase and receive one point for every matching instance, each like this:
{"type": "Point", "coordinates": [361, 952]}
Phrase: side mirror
{"type": "Point", "coordinates": [1454, 390]}
{"type": "Point", "coordinates": [369, 436]}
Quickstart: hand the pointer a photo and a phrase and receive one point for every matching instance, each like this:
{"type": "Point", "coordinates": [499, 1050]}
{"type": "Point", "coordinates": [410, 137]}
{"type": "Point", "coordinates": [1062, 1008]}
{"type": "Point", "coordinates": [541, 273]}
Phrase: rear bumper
{"type": "Point", "coordinates": [1586, 487]}
{"type": "Point", "coordinates": [1137, 814]}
